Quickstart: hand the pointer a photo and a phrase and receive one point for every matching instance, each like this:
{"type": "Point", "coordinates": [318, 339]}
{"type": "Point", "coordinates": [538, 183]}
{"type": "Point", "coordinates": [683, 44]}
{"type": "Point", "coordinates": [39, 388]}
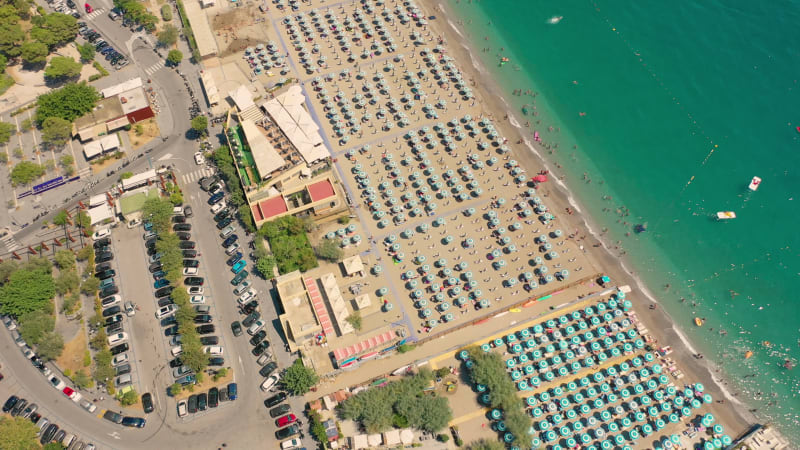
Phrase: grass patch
{"type": "Point", "coordinates": [100, 68]}
{"type": "Point", "coordinates": [289, 243]}
{"type": "Point", "coordinates": [72, 358]}
{"type": "Point", "coordinates": [5, 83]}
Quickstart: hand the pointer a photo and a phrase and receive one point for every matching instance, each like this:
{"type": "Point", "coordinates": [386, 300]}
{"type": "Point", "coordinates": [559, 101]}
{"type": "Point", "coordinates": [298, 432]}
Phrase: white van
{"type": "Point", "coordinates": [177, 211]}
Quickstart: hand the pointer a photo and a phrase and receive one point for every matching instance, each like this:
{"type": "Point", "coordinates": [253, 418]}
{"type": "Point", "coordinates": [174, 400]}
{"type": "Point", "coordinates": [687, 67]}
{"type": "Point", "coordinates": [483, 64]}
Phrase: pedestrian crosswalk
{"type": "Point", "coordinates": [193, 176]}
{"type": "Point", "coordinates": [154, 68]}
{"type": "Point", "coordinates": [9, 242]}
{"type": "Point", "coordinates": [95, 13]}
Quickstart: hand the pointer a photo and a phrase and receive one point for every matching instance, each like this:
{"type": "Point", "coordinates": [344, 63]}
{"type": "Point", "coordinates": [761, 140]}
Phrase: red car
{"type": "Point", "coordinates": [69, 392]}
{"type": "Point", "coordinates": [288, 419]}
{"type": "Point", "coordinates": [88, 8]}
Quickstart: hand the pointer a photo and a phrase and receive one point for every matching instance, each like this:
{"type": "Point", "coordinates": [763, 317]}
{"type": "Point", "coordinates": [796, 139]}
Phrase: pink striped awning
{"type": "Point", "coordinates": [363, 346]}
{"type": "Point", "coordinates": [319, 306]}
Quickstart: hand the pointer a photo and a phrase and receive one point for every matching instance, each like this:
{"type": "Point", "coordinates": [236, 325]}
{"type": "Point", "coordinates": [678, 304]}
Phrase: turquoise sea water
{"type": "Point", "coordinates": [684, 102]}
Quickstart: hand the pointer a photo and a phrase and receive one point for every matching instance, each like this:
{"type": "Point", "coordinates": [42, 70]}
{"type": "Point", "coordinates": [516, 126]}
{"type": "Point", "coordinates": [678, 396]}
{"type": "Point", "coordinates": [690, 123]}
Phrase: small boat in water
{"type": "Point", "coordinates": [754, 184]}
{"type": "Point", "coordinates": [748, 354]}
{"type": "Point", "coordinates": [725, 215]}
{"type": "Point", "coordinates": [698, 321]}
{"type": "Point", "coordinates": [554, 20]}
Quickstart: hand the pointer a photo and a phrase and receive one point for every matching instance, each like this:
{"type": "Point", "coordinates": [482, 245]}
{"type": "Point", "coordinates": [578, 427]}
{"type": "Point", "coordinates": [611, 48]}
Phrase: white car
{"type": "Point", "coordinates": [199, 159]}
{"type": "Point", "coordinates": [190, 270]}
{"type": "Point", "coordinates": [9, 323]}
{"type": "Point", "coordinates": [256, 326]}
{"type": "Point", "coordinates": [111, 301]}
{"type": "Point", "coordinates": [118, 338]}
{"type": "Point", "coordinates": [100, 234]}
{"type": "Point", "coordinates": [232, 249]}
{"type": "Point", "coordinates": [165, 311]}
{"type": "Point", "coordinates": [88, 406]}
{"type": "Point", "coordinates": [290, 444]}
{"type": "Point", "coordinates": [218, 207]}
{"type": "Point", "coordinates": [215, 350]}
{"type": "Point", "coordinates": [195, 290]}
{"type": "Point", "coordinates": [270, 382]}
{"type": "Point", "coordinates": [130, 309]}
{"type": "Point", "coordinates": [119, 359]}
{"type": "Point", "coordinates": [182, 409]}
{"type": "Point", "coordinates": [57, 383]}
{"type": "Point", "coordinates": [177, 350]}
{"type": "Point", "coordinates": [197, 300]}
{"type": "Point", "coordinates": [242, 287]}
{"type": "Point", "coordinates": [244, 298]}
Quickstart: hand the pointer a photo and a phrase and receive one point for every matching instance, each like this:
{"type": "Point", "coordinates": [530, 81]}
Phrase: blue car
{"type": "Point", "coordinates": [234, 259]}
{"type": "Point", "coordinates": [214, 199]}
{"type": "Point", "coordinates": [239, 266]}
{"type": "Point", "coordinates": [148, 226]}
{"type": "Point", "coordinates": [161, 283]}
{"type": "Point", "coordinates": [232, 391]}
{"type": "Point", "coordinates": [159, 275]}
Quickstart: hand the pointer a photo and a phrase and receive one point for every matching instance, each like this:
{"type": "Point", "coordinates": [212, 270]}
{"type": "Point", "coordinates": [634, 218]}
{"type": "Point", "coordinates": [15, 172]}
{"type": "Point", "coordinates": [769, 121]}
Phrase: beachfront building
{"type": "Point", "coordinates": [281, 158]}
{"type": "Point", "coordinates": [203, 35]}
{"type": "Point", "coordinates": [106, 117]}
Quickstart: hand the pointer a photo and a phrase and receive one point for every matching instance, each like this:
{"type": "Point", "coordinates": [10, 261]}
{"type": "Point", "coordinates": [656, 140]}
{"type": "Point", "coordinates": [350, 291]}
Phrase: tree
{"type": "Point", "coordinates": [194, 356]}
{"type": "Point", "coordinates": [64, 259]}
{"type": "Point", "coordinates": [129, 398]}
{"type": "Point", "coordinates": [176, 198]}
{"type": "Point", "coordinates": [5, 131]}
{"type": "Point", "coordinates": [168, 35]}
{"type": "Point", "coordinates": [67, 281]}
{"type": "Point", "coordinates": [26, 290]}
{"type": "Point", "coordinates": [34, 52]}
{"type": "Point", "coordinates": [61, 218]}
{"type": "Point", "coordinates": [246, 217]}
{"type": "Point", "coordinates": [174, 57]}
{"type": "Point", "coordinates": [329, 250]}
{"type": "Point", "coordinates": [68, 102]}
{"type": "Point", "coordinates": [84, 253]}
{"type": "Point", "coordinates": [34, 324]}
{"type": "Point", "coordinates": [66, 160]}
{"type": "Point", "coordinates": [51, 346]}
{"type": "Point", "coordinates": [53, 446]}
{"type": "Point", "coordinates": [25, 172]}
{"type": "Point", "coordinates": [355, 320]}
{"type": "Point", "coordinates": [175, 389]}
{"type": "Point", "coordinates": [62, 67]}
{"type": "Point", "coordinates": [299, 379]}
{"type": "Point", "coordinates": [159, 212]}
{"type": "Point", "coordinates": [55, 29]}
{"type": "Point", "coordinates": [90, 285]}
{"type": "Point", "coordinates": [200, 124]}
{"type": "Point", "coordinates": [11, 36]}
{"type": "Point", "coordinates": [18, 433]}
{"type": "Point", "coordinates": [56, 131]}
{"type": "Point", "coordinates": [87, 51]}
{"type": "Point", "coordinates": [6, 269]}
{"type": "Point", "coordinates": [265, 266]}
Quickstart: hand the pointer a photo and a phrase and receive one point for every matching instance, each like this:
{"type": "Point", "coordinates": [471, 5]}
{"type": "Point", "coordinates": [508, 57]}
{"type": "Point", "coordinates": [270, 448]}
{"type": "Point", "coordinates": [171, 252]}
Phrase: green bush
{"type": "Point", "coordinates": [289, 243]}
{"type": "Point", "coordinates": [166, 13]}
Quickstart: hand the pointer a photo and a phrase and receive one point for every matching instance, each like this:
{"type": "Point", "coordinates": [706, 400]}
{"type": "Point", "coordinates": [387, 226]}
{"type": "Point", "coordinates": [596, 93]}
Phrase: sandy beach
{"type": "Point", "coordinates": [440, 172]}
{"type": "Point", "coordinates": [732, 412]}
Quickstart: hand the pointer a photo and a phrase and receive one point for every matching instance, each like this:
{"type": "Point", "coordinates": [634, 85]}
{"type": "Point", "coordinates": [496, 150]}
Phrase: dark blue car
{"type": "Point", "coordinates": [234, 259]}
{"type": "Point", "coordinates": [232, 391]}
{"type": "Point", "coordinates": [161, 283]}
{"type": "Point", "coordinates": [135, 422]}
{"type": "Point", "coordinates": [214, 199]}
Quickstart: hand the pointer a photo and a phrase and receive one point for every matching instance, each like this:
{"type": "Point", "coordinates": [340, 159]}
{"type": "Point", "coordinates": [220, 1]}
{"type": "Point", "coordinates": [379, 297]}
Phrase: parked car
{"type": "Point", "coordinates": [215, 350]}
{"type": "Point", "coordinates": [268, 369]}
{"type": "Point", "coordinates": [202, 318]}
{"type": "Point", "coordinates": [186, 245]}
{"type": "Point", "coordinates": [10, 403]}
{"type": "Point", "coordinates": [234, 259]}
{"type": "Point", "coordinates": [105, 274]}
{"type": "Point", "coordinates": [101, 233]}
{"type": "Point", "coordinates": [193, 281]}
{"type": "Point", "coordinates": [108, 291]}
{"type": "Point", "coordinates": [182, 227]}
{"type": "Point", "coordinates": [202, 401]}
{"type": "Point", "coordinates": [233, 390]}
{"type": "Point", "coordinates": [202, 309]}
{"type": "Point", "coordinates": [226, 231]}
{"type": "Point", "coordinates": [102, 267]}
{"type": "Point", "coordinates": [239, 266]}
{"type": "Point", "coordinates": [134, 422]}
{"type": "Point", "coordinates": [216, 198]}
{"type": "Point", "coordinates": [88, 406]}
{"type": "Point", "coordinates": [231, 249]}
{"type": "Point", "coordinates": [110, 301]}
{"type": "Point", "coordinates": [195, 290]}
{"type": "Point", "coordinates": [117, 339]}
{"type": "Point", "coordinates": [242, 287]}
{"type": "Point", "coordinates": [147, 403]}
{"type": "Point", "coordinates": [287, 432]}
{"type": "Point", "coordinates": [209, 340]}
{"type": "Point", "coordinates": [260, 348]}
{"type": "Point", "coordinates": [182, 408]}
{"type": "Point", "coordinates": [190, 270]}
{"type": "Point", "coordinates": [155, 267]}
{"type": "Point", "coordinates": [247, 321]}
{"type": "Point", "coordinates": [122, 380]}
{"type": "Point", "coordinates": [164, 291]}
{"type": "Point", "coordinates": [213, 397]}
{"type": "Point", "coordinates": [102, 242]}
{"type": "Point", "coordinates": [216, 361]}
{"type": "Point", "coordinates": [158, 284]}
{"type": "Point", "coordinates": [165, 311]}
{"type": "Point", "coordinates": [189, 253]}
{"type": "Point", "coordinates": [113, 319]}
{"type": "Point", "coordinates": [218, 207]}
{"type": "Point", "coordinates": [288, 419]}
{"type": "Point", "coordinates": [224, 223]}
{"type": "Point", "coordinates": [112, 311]}
{"type": "Point", "coordinates": [236, 327]}
{"type": "Point", "coordinates": [221, 214]}
{"type": "Point", "coordinates": [239, 277]}
{"type": "Point", "coordinates": [123, 369]}
{"type": "Point", "coordinates": [184, 236]}
{"type": "Point", "coordinates": [117, 349]}
{"type": "Point", "coordinates": [187, 211]}
{"type": "Point", "coordinates": [275, 400]}
{"type": "Point", "coordinates": [192, 406]}
{"type": "Point", "coordinates": [258, 337]}
{"type": "Point", "coordinates": [104, 257]}
{"type": "Point", "coordinates": [111, 416]}
{"type": "Point", "coordinates": [246, 297]}
{"type": "Point", "coordinates": [119, 359]}
{"type": "Point", "coordinates": [230, 240]}
{"type": "Point", "coordinates": [291, 444]}
{"type": "Point", "coordinates": [186, 380]}
{"type": "Point", "coordinates": [205, 329]}
{"type": "Point", "coordinates": [255, 327]}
